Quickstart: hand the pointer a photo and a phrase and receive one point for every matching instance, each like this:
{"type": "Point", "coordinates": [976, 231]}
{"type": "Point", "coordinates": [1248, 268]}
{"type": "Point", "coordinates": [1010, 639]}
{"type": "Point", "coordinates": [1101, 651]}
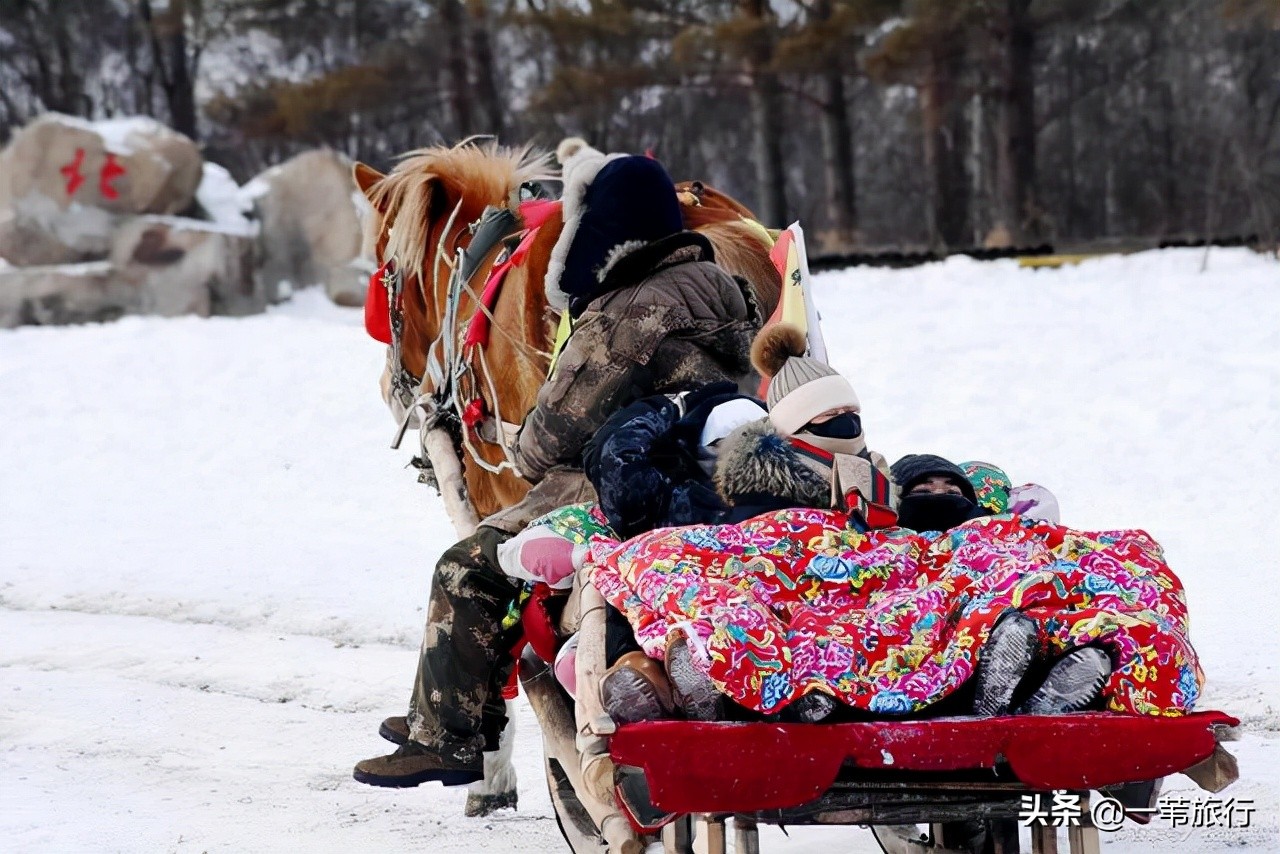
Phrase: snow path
{"type": "Point", "coordinates": [213, 572]}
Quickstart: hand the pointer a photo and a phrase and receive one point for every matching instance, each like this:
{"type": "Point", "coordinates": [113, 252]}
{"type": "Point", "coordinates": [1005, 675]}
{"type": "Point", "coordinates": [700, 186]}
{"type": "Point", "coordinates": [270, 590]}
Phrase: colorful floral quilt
{"type": "Point", "coordinates": [891, 621]}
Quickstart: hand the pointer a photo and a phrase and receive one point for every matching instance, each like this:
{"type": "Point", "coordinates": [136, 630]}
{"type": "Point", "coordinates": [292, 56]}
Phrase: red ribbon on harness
{"type": "Point", "coordinates": [377, 308]}
{"type": "Point", "coordinates": [478, 328]}
{"type": "Point", "coordinates": [535, 212]}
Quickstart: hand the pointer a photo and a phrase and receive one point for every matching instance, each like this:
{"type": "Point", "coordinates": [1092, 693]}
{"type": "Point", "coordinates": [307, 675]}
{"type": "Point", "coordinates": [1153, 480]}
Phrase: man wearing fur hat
{"type": "Point", "coordinates": [652, 314]}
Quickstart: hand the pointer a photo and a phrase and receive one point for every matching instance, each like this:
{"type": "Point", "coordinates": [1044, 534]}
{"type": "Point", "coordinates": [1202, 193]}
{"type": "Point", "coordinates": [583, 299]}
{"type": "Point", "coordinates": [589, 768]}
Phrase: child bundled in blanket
{"type": "Point", "coordinates": [938, 495]}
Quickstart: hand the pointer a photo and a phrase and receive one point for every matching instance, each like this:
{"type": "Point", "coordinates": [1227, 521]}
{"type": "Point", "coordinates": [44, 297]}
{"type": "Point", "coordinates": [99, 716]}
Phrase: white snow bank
{"type": "Point", "coordinates": [213, 571]}
{"type": "Point", "coordinates": [224, 201]}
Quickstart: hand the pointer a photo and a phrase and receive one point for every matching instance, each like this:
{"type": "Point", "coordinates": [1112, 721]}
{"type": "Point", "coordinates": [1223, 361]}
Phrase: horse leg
{"type": "Point", "coordinates": [497, 791]}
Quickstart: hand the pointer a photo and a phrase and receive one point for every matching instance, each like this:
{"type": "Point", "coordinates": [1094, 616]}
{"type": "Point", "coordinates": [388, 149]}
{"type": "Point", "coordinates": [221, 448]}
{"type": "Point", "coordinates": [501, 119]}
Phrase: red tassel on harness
{"type": "Point", "coordinates": [377, 310]}
{"type": "Point", "coordinates": [474, 413]}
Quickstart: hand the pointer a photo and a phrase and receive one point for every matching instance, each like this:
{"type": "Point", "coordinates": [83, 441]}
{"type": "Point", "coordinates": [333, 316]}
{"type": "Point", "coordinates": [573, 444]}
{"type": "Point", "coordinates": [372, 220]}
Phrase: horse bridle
{"type": "Point", "coordinates": [444, 364]}
{"type": "Point", "coordinates": [404, 385]}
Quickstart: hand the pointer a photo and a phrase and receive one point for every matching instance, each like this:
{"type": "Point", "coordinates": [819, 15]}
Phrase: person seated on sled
{"type": "Point", "coordinates": [651, 312]}
{"type": "Point", "coordinates": [938, 495]}
{"type": "Point", "coordinates": [809, 452]}
{"type": "Point", "coordinates": [814, 419]}
{"type": "Point", "coordinates": [651, 465]}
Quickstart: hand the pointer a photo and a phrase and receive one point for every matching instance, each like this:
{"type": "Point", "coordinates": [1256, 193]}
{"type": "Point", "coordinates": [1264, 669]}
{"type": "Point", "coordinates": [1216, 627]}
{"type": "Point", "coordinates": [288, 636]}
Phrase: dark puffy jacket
{"type": "Point", "coordinates": [668, 320]}
{"type": "Point", "coordinates": [648, 465]}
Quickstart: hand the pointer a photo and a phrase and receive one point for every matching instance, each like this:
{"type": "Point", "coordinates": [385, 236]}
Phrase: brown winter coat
{"type": "Point", "coordinates": [667, 320]}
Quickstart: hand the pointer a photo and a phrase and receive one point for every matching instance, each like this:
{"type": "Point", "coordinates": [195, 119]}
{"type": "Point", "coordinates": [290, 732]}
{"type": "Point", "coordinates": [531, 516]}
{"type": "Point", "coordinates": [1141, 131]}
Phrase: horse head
{"type": "Point", "coordinates": [422, 211]}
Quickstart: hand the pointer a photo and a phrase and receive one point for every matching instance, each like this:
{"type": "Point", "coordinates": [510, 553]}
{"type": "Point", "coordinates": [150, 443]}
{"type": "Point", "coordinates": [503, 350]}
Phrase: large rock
{"type": "Point", "coordinates": [70, 293]}
{"type": "Point", "coordinates": [165, 266]}
{"type": "Point", "coordinates": [310, 227]}
{"type": "Point", "coordinates": [186, 266]}
{"type": "Point", "coordinates": [65, 183]}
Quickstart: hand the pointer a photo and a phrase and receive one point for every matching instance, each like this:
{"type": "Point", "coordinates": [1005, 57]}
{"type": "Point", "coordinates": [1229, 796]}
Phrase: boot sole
{"type": "Point", "coordinates": [1003, 665]}
{"type": "Point", "coordinates": [695, 693]}
{"type": "Point", "coordinates": [1072, 684]}
{"type": "Point", "coordinates": [629, 698]}
{"type": "Point", "coordinates": [408, 781]}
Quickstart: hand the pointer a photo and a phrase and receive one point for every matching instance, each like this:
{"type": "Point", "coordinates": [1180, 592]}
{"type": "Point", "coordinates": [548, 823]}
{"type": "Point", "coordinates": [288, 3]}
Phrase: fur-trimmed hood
{"type": "Point", "coordinates": [759, 466]}
{"type": "Point", "coordinates": [612, 204]}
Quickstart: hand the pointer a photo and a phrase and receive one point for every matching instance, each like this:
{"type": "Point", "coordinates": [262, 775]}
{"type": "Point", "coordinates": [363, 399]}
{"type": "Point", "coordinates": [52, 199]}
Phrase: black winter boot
{"type": "Point", "coordinates": [1073, 683]}
{"type": "Point", "coordinates": [1005, 659]}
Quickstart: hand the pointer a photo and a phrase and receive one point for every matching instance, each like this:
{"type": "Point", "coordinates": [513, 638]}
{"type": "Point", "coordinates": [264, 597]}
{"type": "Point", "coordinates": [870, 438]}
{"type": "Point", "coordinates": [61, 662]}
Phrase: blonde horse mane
{"type": "Point", "coordinates": [481, 169]}
{"type": "Point", "coordinates": [740, 249]}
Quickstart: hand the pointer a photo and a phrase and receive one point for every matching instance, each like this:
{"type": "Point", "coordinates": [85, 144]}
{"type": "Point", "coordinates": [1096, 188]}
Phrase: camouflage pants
{"type": "Point", "coordinates": [457, 706]}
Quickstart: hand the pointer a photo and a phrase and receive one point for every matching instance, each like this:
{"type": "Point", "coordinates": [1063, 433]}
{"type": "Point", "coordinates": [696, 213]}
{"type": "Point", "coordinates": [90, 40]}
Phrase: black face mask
{"type": "Point", "coordinates": [929, 511]}
{"type": "Point", "coordinates": [846, 425]}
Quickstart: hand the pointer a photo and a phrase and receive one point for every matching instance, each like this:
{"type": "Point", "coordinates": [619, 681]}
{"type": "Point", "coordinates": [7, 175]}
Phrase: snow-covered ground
{"type": "Point", "coordinates": [213, 570]}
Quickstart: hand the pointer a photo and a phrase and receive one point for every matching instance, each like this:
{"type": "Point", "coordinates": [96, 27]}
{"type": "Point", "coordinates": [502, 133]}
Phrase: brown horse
{"type": "Point", "coordinates": [422, 211]}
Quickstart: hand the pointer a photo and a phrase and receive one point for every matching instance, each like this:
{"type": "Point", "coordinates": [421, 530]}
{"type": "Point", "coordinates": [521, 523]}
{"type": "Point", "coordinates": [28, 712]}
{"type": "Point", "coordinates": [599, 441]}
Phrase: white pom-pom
{"type": "Point", "coordinates": [570, 146]}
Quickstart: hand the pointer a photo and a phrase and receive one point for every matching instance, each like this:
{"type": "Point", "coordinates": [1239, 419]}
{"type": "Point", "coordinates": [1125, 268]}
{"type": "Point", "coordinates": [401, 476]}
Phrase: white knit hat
{"type": "Point", "coordinates": [800, 388]}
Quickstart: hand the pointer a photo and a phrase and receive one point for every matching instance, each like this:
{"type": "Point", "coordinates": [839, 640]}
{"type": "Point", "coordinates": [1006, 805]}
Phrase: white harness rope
{"type": "Point", "coordinates": [447, 364]}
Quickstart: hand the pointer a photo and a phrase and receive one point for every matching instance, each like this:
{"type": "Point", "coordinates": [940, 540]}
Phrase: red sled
{"type": "Point", "coordinates": [958, 785]}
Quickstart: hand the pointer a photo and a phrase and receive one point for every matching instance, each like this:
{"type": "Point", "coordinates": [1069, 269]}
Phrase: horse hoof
{"type": "Point", "coordinates": [482, 805]}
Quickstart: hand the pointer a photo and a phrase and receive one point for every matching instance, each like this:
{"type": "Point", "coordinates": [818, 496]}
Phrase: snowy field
{"type": "Point", "coordinates": [213, 570]}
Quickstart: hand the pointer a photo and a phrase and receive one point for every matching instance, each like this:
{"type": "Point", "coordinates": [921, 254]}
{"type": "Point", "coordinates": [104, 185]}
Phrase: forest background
{"type": "Point", "coordinates": [879, 123]}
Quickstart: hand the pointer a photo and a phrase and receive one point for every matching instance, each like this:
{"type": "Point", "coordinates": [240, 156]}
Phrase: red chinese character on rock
{"type": "Point", "coordinates": [111, 170]}
{"type": "Point", "coordinates": [75, 178]}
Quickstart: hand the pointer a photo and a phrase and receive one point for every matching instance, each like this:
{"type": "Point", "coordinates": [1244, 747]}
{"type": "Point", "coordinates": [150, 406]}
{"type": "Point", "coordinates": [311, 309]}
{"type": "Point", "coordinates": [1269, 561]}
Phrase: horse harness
{"type": "Point", "coordinates": [447, 357]}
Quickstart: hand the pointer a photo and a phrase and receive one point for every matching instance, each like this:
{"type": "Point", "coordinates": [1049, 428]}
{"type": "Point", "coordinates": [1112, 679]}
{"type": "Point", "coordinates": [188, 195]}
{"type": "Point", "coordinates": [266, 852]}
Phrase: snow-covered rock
{"type": "Point", "coordinates": [185, 266]}
{"type": "Point", "coordinates": [65, 183]}
{"type": "Point", "coordinates": [310, 227]}
{"type": "Point", "coordinates": [166, 266]}
{"type": "Point", "coordinates": [66, 293]}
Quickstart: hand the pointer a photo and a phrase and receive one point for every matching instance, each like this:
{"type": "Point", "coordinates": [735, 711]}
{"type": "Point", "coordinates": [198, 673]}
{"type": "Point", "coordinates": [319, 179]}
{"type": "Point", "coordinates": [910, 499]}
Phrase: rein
{"type": "Point", "coordinates": [404, 385]}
